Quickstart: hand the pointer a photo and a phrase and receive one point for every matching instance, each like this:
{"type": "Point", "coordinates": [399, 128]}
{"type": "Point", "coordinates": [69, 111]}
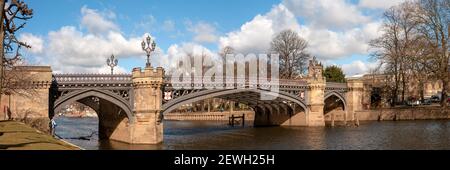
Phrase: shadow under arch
{"type": "Point", "coordinates": [336, 95]}
{"type": "Point", "coordinates": [228, 93]}
{"type": "Point", "coordinates": [267, 112]}
{"type": "Point", "coordinates": [102, 94]}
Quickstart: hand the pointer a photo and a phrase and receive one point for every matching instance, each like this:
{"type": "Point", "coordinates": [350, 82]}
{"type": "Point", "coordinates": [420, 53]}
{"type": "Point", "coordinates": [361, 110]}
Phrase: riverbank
{"type": "Point", "coordinates": [405, 113]}
{"type": "Point", "coordinates": [19, 136]}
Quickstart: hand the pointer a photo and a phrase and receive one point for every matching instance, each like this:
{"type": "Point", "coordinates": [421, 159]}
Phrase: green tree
{"type": "Point", "coordinates": [334, 74]}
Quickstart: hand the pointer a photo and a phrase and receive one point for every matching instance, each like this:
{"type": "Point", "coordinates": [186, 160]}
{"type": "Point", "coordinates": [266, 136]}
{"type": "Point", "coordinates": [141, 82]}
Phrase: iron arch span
{"type": "Point", "coordinates": [247, 96]}
{"type": "Point", "coordinates": [102, 94]}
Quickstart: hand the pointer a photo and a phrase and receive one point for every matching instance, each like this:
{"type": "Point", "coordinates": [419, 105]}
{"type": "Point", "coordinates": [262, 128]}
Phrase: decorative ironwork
{"type": "Point", "coordinates": [62, 79]}
{"type": "Point", "coordinates": [121, 86]}
{"type": "Point", "coordinates": [112, 62]}
{"type": "Point", "coordinates": [123, 93]}
{"type": "Point", "coordinates": [148, 46]}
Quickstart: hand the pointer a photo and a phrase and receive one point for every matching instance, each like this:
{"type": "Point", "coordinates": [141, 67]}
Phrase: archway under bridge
{"type": "Point", "coordinates": [114, 113]}
{"type": "Point", "coordinates": [278, 111]}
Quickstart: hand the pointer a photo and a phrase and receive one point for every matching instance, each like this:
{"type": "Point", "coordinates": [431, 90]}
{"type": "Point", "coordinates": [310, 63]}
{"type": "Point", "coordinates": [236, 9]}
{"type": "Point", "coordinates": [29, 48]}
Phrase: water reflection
{"type": "Point", "coordinates": [217, 135]}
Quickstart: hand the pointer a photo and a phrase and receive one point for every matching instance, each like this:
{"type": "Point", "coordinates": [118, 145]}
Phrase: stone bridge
{"type": "Point", "coordinates": [130, 107]}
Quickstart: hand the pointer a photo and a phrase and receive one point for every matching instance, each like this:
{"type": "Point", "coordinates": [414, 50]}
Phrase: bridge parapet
{"type": "Point", "coordinates": [83, 81]}
{"type": "Point", "coordinates": [336, 87]}
{"type": "Point", "coordinates": [92, 78]}
{"type": "Point", "coordinates": [178, 88]}
{"type": "Point", "coordinates": [211, 82]}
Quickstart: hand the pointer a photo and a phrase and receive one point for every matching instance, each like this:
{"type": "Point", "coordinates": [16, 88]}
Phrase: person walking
{"type": "Point", "coordinates": [9, 113]}
{"type": "Point", "coordinates": [52, 127]}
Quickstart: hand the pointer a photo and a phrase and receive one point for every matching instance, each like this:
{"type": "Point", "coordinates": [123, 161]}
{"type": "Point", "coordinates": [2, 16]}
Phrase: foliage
{"type": "Point", "coordinates": [334, 74]}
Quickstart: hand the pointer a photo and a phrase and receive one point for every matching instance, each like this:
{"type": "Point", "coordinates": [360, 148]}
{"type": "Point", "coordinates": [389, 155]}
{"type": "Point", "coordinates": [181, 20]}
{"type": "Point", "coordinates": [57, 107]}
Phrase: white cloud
{"type": "Point", "coordinates": [97, 23]}
{"type": "Point", "coordinates": [328, 44]}
{"type": "Point", "coordinates": [255, 35]}
{"type": "Point", "coordinates": [71, 50]}
{"type": "Point", "coordinates": [334, 14]}
{"type": "Point", "coordinates": [69, 47]}
{"type": "Point", "coordinates": [379, 4]}
{"type": "Point", "coordinates": [175, 52]}
{"type": "Point", "coordinates": [358, 67]}
{"type": "Point", "coordinates": [282, 18]}
{"type": "Point", "coordinates": [204, 32]}
{"type": "Point", "coordinates": [107, 70]}
{"type": "Point", "coordinates": [36, 42]}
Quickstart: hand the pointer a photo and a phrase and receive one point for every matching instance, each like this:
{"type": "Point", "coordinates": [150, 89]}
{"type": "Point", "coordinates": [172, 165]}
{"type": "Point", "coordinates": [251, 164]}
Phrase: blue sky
{"type": "Point", "coordinates": [78, 35]}
{"type": "Point", "coordinates": [229, 15]}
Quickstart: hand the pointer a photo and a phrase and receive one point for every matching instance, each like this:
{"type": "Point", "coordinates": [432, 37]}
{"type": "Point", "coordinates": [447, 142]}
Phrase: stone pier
{"type": "Point", "coordinates": [146, 126]}
{"type": "Point", "coordinates": [315, 97]}
{"type": "Point", "coordinates": [354, 98]}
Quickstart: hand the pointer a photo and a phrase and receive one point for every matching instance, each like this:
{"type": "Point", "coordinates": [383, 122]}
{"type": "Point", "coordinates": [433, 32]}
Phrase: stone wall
{"type": "Point", "coordinates": [409, 113]}
{"type": "Point", "coordinates": [28, 101]}
{"type": "Point", "coordinates": [298, 119]}
{"type": "Point", "coordinates": [337, 114]}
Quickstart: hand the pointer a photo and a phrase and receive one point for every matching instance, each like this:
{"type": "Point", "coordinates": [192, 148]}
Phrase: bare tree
{"type": "Point", "coordinates": [415, 45]}
{"type": "Point", "coordinates": [434, 18]}
{"type": "Point", "coordinates": [293, 54]}
{"type": "Point", "coordinates": [421, 68]}
{"type": "Point", "coordinates": [14, 16]}
{"type": "Point", "coordinates": [397, 48]}
{"type": "Point", "coordinates": [387, 51]}
{"type": "Point", "coordinates": [226, 50]}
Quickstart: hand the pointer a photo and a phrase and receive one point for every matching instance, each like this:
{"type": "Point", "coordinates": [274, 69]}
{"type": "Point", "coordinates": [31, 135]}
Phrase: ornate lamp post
{"type": "Point", "coordinates": [148, 46]}
{"type": "Point", "coordinates": [112, 62]}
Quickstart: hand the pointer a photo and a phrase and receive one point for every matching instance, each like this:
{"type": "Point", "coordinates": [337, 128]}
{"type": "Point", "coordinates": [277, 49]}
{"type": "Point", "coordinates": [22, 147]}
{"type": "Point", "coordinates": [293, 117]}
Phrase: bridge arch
{"type": "Point", "coordinates": [103, 94]}
{"type": "Point", "coordinates": [227, 93]}
{"type": "Point", "coordinates": [338, 95]}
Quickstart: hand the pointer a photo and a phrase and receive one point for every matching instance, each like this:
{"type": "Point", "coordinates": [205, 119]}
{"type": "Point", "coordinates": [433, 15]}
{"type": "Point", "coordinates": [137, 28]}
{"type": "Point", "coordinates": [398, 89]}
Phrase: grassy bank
{"type": "Point", "coordinates": [18, 136]}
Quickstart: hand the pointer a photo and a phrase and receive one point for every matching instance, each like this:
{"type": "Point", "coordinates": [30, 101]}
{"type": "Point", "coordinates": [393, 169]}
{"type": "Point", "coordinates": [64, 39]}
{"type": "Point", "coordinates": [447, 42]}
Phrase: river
{"type": "Point", "coordinates": [188, 135]}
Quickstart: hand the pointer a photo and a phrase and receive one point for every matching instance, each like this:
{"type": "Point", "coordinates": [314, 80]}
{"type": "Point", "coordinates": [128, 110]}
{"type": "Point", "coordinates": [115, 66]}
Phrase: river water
{"type": "Point", "coordinates": [433, 134]}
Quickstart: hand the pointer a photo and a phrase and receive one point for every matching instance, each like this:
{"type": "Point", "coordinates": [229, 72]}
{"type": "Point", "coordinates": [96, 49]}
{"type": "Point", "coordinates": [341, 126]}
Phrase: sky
{"type": "Point", "coordinates": [77, 36]}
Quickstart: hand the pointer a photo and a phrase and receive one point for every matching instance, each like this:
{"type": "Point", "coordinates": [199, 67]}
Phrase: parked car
{"type": "Point", "coordinates": [413, 103]}
{"type": "Point", "coordinates": [426, 102]}
{"type": "Point", "coordinates": [435, 99]}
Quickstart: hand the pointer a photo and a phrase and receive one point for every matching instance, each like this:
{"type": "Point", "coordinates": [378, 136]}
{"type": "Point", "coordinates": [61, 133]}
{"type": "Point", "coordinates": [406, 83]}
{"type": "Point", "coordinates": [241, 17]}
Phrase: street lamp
{"type": "Point", "coordinates": [148, 46]}
{"type": "Point", "coordinates": [112, 62]}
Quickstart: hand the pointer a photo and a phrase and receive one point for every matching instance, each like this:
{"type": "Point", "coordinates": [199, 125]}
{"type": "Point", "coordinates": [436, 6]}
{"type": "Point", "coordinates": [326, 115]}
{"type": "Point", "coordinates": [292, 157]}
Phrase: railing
{"type": "Point", "coordinates": [238, 81]}
{"type": "Point", "coordinates": [195, 81]}
{"type": "Point", "coordinates": [336, 85]}
{"type": "Point", "coordinates": [92, 78]}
